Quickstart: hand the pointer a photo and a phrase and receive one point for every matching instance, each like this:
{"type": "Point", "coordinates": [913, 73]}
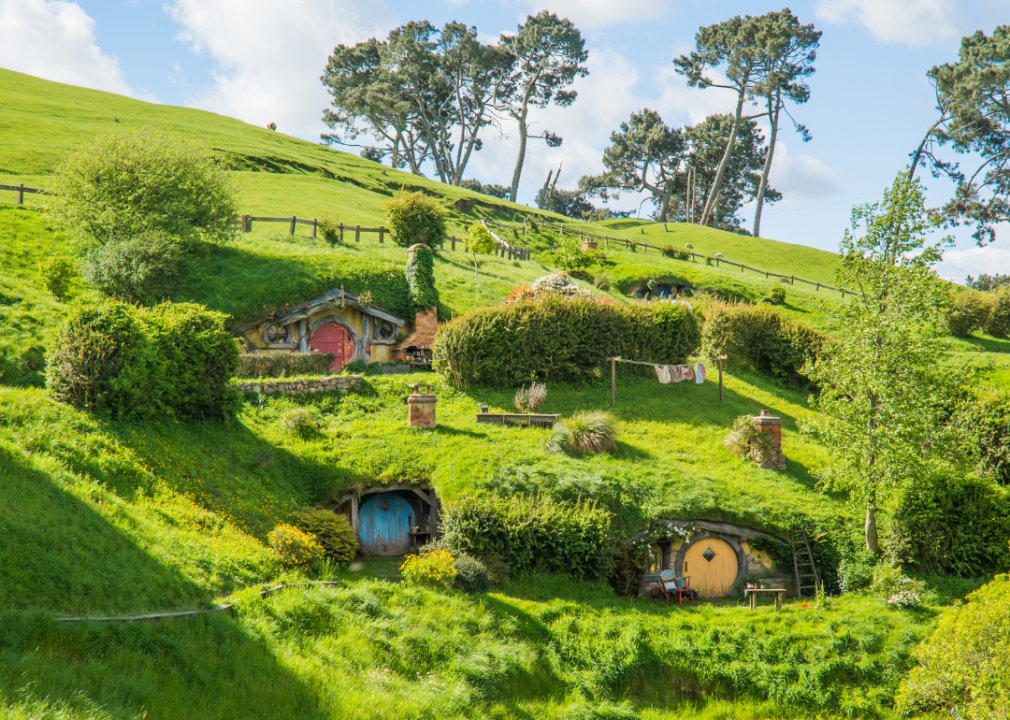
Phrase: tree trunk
{"type": "Point", "coordinates": [773, 116]}
{"type": "Point", "coordinates": [871, 529]}
{"type": "Point", "coordinates": [523, 132]}
{"type": "Point", "coordinates": [664, 209]}
{"type": "Point", "coordinates": [475, 267]}
{"type": "Point", "coordinates": [730, 145]}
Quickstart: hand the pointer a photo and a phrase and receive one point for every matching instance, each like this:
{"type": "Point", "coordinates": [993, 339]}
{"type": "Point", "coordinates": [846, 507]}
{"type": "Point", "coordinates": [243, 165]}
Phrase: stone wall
{"type": "Point", "coordinates": [331, 383]}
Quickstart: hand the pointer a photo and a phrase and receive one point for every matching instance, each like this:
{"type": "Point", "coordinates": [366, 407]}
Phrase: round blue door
{"type": "Point", "coordinates": [384, 522]}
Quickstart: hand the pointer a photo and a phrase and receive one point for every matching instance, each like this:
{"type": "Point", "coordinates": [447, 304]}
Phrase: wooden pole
{"type": "Point", "coordinates": [613, 382]}
{"type": "Point", "coordinates": [718, 361]}
{"type": "Point", "coordinates": [315, 227]}
{"type": "Point", "coordinates": [357, 233]}
{"type": "Point", "coordinates": [341, 232]}
{"type": "Point", "coordinates": [21, 194]}
{"type": "Point", "coordinates": [292, 231]}
{"type": "Point", "coordinates": [246, 223]}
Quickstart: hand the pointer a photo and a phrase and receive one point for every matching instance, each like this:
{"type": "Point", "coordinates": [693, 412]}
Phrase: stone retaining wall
{"type": "Point", "coordinates": [331, 383]}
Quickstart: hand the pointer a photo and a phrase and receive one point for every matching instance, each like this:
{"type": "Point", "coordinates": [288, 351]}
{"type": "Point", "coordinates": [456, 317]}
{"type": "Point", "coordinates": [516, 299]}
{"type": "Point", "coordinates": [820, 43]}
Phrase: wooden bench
{"type": "Point", "coordinates": [752, 595]}
{"type": "Point", "coordinates": [528, 419]}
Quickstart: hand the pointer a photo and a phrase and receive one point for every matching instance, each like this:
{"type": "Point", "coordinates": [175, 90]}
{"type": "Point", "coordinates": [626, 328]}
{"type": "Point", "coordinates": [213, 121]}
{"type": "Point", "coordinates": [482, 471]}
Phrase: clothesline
{"type": "Point", "coordinates": [635, 362]}
{"type": "Point", "coordinates": [664, 372]}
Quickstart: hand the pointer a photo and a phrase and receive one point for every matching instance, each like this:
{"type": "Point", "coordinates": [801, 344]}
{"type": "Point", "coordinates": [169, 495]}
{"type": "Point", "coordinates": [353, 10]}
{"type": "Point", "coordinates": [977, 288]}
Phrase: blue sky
{"type": "Point", "coordinates": [260, 61]}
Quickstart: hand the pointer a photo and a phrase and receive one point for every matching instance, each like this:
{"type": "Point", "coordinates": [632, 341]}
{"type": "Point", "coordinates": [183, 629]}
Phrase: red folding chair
{"type": "Point", "coordinates": [678, 587]}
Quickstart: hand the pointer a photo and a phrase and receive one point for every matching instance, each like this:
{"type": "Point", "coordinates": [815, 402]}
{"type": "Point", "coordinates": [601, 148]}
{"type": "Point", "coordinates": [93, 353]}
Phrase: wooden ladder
{"type": "Point", "coordinates": [803, 562]}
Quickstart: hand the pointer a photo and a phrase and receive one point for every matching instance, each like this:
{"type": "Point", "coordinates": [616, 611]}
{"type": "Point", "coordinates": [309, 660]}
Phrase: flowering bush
{"type": "Point", "coordinates": [434, 569]}
{"type": "Point", "coordinates": [519, 292]}
{"type": "Point", "coordinates": [904, 599]}
{"type": "Point", "coordinates": [559, 284]}
{"type": "Point", "coordinates": [295, 548]}
{"type": "Point", "coordinates": [899, 591]}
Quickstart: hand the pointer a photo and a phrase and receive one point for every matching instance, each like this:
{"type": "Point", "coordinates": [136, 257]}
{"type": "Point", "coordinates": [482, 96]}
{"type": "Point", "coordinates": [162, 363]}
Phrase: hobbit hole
{"type": "Point", "coordinates": [392, 521]}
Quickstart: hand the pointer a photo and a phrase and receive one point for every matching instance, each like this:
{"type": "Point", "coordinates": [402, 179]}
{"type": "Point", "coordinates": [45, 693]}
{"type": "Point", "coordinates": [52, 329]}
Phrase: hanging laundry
{"type": "Point", "coordinates": [663, 373]}
{"type": "Point", "coordinates": [676, 373]}
{"type": "Point", "coordinates": [688, 371]}
{"type": "Point", "coordinates": [699, 373]}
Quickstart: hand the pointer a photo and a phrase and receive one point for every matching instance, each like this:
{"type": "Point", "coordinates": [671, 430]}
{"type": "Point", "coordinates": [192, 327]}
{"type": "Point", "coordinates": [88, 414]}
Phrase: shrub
{"type": "Point", "coordinates": [569, 255]}
{"type": "Point", "coordinates": [778, 295]}
{"type": "Point", "coordinates": [471, 575]}
{"type": "Point", "coordinates": [968, 312]}
{"type": "Point", "coordinates": [134, 181]}
{"type": "Point", "coordinates": [421, 278]}
{"type": "Point", "coordinates": [747, 440]}
{"type": "Point", "coordinates": [330, 230]}
{"type": "Point", "coordinates": [415, 218]}
{"type": "Point", "coordinates": [558, 339]}
{"type": "Point", "coordinates": [583, 275]}
{"type": "Point", "coordinates": [299, 421]}
{"type": "Point", "coordinates": [124, 361]}
{"type": "Point", "coordinates": [532, 534]}
{"type": "Point", "coordinates": [987, 418]}
{"type": "Point", "coordinates": [433, 569]}
{"type": "Point", "coordinates": [332, 531]}
{"type": "Point", "coordinates": [855, 571]}
{"type": "Point", "coordinates": [144, 269]}
{"type": "Point", "coordinates": [558, 285]}
{"type": "Point", "coordinates": [628, 568]}
{"type": "Point", "coordinates": [531, 399]}
{"type": "Point", "coordinates": [285, 365]}
{"type": "Point", "coordinates": [56, 275]}
{"type": "Point", "coordinates": [294, 548]}
{"type": "Point", "coordinates": [759, 337]}
{"type": "Point", "coordinates": [101, 360]}
{"type": "Point", "coordinates": [956, 524]}
{"type": "Point", "coordinates": [675, 253]}
{"type": "Point", "coordinates": [602, 281]}
{"type": "Point", "coordinates": [962, 666]}
{"type": "Point", "coordinates": [585, 432]}
{"type": "Point", "coordinates": [997, 323]}
{"type": "Point", "coordinates": [897, 590]}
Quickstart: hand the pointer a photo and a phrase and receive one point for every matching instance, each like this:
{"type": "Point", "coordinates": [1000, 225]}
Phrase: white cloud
{"type": "Point", "coordinates": [912, 22]}
{"type": "Point", "coordinates": [801, 178]}
{"type": "Point", "coordinates": [56, 40]}
{"type": "Point", "coordinates": [969, 259]}
{"type": "Point", "coordinates": [270, 55]}
{"type": "Point", "coordinates": [603, 13]}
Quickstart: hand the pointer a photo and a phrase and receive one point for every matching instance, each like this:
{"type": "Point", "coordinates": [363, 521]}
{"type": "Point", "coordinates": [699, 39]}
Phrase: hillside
{"type": "Point", "coordinates": [104, 517]}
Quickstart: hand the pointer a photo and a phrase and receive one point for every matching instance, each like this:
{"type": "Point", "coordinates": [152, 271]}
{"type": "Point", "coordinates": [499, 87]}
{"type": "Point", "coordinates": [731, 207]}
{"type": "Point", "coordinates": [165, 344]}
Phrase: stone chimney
{"type": "Point", "coordinates": [772, 427]}
{"type": "Point", "coordinates": [425, 327]}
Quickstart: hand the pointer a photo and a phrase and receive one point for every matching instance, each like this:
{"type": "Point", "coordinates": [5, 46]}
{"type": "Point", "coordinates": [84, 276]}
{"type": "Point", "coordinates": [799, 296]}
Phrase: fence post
{"type": "Point", "coordinates": [21, 194]}
{"type": "Point", "coordinates": [665, 228]}
{"type": "Point", "coordinates": [357, 233]}
{"type": "Point", "coordinates": [717, 262]}
{"type": "Point", "coordinates": [292, 231]}
{"type": "Point", "coordinates": [818, 288]}
{"type": "Point", "coordinates": [246, 223]}
{"type": "Point", "coordinates": [453, 238]}
{"type": "Point", "coordinates": [341, 232]}
{"type": "Point", "coordinates": [382, 231]}
{"type": "Point", "coordinates": [315, 226]}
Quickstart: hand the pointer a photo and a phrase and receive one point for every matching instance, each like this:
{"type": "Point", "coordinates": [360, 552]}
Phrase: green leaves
{"type": "Point", "coordinates": [134, 181]}
{"type": "Point", "coordinates": [415, 218]}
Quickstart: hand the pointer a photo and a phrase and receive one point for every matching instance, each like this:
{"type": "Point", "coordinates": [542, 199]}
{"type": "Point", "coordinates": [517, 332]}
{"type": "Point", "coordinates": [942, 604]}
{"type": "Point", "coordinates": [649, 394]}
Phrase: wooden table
{"type": "Point", "coordinates": [752, 595]}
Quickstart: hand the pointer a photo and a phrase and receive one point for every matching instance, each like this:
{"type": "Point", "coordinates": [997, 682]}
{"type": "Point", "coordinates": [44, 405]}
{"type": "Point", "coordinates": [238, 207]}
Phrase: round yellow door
{"type": "Point", "coordinates": [712, 566]}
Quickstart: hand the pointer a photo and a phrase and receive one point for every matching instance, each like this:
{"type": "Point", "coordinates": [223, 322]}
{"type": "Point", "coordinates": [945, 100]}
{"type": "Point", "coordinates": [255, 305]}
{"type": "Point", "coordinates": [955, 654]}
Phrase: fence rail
{"type": "Point", "coordinates": [21, 190]}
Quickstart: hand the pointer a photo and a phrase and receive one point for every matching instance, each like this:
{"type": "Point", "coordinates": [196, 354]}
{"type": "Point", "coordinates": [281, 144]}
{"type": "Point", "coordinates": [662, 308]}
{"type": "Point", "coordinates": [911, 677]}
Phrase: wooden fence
{"type": "Point", "coordinates": [245, 224]}
{"type": "Point", "coordinates": [719, 262]}
{"type": "Point", "coordinates": [20, 190]}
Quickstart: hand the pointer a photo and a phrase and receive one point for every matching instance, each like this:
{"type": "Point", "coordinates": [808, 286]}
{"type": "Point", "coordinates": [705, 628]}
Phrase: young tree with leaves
{"type": "Point", "coordinates": [883, 395]}
{"type": "Point", "coordinates": [548, 54]}
{"type": "Point", "coordinates": [478, 241]}
{"type": "Point", "coordinates": [973, 101]}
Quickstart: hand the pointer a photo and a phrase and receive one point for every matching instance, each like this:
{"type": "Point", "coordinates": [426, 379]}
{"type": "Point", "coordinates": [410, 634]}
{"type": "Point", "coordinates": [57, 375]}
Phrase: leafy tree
{"type": "Point", "coordinates": [478, 241]}
{"type": "Point", "coordinates": [415, 218]}
{"type": "Point", "coordinates": [133, 181]}
{"type": "Point", "coordinates": [988, 283]}
{"type": "Point", "coordinates": [883, 395]}
{"type": "Point", "coordinates": [644, 154]}
{"type": "Point", "coordinates": [426, 92]}
{"type": "Point", "coordinates": [421, 278]}
{"type": "Point", "coordinates": [790, 51]}
{"type": "Point", "coordinates": [973, 101]}
{"type": "Point", "coordinates": [737, 45]}
{"type": "Point", "coordinates": [547, 56]}
{"type": "Point", "coordinates": [499, 191]}
{"type": "Point", "coordinates": [144, 270]}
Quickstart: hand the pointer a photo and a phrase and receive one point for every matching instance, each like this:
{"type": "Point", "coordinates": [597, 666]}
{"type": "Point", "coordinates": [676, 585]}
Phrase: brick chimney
{"type": "Point", "coordinates": [425, 327]}
{"type": "Point", "coordinates": [772, 427]}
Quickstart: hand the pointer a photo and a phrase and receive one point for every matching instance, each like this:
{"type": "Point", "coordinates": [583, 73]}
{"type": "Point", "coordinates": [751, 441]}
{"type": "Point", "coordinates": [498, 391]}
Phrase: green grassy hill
{"type": "Point", "coordinates": [106, 517]}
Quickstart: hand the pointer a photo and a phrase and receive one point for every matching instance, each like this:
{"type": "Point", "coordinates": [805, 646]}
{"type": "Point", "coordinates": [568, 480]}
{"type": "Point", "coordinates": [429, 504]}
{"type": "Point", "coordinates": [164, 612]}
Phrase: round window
{"type": "Point", "coordinates": [276, 334]}
{"type": "Point", "coordinates": [386, 330]}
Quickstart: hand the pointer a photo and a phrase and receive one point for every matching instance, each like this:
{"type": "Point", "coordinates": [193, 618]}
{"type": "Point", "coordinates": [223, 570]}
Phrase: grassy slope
{"type": "Point", "coordinates": [183, 508]}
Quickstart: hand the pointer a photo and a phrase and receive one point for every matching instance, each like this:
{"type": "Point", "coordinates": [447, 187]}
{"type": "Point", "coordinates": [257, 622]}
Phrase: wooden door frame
{"type": "Point", "coordinates": [741, 557]}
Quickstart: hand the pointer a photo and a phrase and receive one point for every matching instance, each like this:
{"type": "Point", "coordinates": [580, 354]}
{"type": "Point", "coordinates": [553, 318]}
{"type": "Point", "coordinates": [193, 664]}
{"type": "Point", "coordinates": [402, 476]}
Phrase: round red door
{"type": "Point", "coordinates": [333, 338]}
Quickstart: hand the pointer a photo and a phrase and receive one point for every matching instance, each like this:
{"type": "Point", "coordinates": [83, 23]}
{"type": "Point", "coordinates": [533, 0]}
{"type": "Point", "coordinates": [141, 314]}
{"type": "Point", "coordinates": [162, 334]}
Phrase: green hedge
{"type": "Point", "coordinates": [968, 313]}
{"type": "Point", "coordinates": [559, 339]}
{"type": "Point", "coordinates": [532, 534]}
{"type": "Point", "coordinates": [759, 337]}
{"type": "Point", "coordinates": [956, 525]}
{"type": "Point", "coordinates": [123, 361]}
{"type": "Point", "coordinates": [285, 365]}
